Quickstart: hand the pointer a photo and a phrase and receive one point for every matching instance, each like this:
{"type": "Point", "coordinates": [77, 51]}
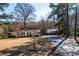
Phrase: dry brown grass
{"type": "Point", "coordinates": [21, 47]}
{"type": "Point", "coordinates": [8, 43]}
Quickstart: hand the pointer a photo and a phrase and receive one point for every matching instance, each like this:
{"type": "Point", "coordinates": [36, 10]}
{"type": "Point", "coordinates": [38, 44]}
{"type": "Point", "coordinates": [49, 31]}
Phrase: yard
{"type": "Point", "coordinates": [23, 47]}
{"type": "Point", "coordinates": [12, 42]}
{"type": "Point", "coordinates": [14, 46]}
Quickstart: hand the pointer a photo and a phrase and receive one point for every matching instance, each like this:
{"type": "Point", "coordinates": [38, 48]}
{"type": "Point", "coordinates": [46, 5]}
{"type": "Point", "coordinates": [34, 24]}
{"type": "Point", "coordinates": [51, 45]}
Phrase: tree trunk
{"type": "Point", "coordinates": [25, 25]}
{"type": "Point", "coordinates": [75, 27]}
{"type": "Point", "coordinates": [68, 31]}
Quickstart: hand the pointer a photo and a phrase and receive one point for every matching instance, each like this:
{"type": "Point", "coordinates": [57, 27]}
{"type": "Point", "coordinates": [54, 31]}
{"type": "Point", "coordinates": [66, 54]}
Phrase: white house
{"type": "Point", "coordinates": [32, 32]}
{"type": "Point", "coordinates": [23, 33]}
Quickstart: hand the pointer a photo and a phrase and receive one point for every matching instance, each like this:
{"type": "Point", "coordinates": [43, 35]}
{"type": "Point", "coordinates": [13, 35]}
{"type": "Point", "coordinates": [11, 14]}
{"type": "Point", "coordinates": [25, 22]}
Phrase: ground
{"type": "Point", "coordinates": [69, 48]}
{"type": "Point", "coordinates": [24, 47]}
{"type": "Point", "coordinates": [11, 42]}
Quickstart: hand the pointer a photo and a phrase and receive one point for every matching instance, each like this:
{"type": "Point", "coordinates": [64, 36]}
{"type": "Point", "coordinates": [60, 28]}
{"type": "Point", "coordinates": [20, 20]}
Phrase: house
{"type": "Point", "coordinates": [11, 33]}
{"type": "Point", "coordinates": [1, 32]}
{"type": "Point", "coordinates": [30, 32]}
{"type": "Point", "coordinates": [52, 31]}
{"type": "Point", "coordinates": [24, 33]}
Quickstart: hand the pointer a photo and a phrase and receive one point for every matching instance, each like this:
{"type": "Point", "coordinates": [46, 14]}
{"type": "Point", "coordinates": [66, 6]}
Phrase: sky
{"type": "Point", "coordinates": [42, 9]}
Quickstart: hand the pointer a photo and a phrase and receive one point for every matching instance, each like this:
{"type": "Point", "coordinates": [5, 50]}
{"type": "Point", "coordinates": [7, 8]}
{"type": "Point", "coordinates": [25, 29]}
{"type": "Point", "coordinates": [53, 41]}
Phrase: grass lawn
{"type": "Point", "coordinates": [12, 42]}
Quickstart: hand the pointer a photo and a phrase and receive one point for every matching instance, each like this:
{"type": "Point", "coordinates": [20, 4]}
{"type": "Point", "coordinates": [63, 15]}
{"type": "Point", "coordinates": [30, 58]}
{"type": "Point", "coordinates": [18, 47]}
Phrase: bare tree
{"type": "Point", "coordinates": [24, 10]}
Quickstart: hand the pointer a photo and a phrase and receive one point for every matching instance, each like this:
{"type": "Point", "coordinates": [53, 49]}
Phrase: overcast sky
{"type": "Point", "coordinates": [41, 9]}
